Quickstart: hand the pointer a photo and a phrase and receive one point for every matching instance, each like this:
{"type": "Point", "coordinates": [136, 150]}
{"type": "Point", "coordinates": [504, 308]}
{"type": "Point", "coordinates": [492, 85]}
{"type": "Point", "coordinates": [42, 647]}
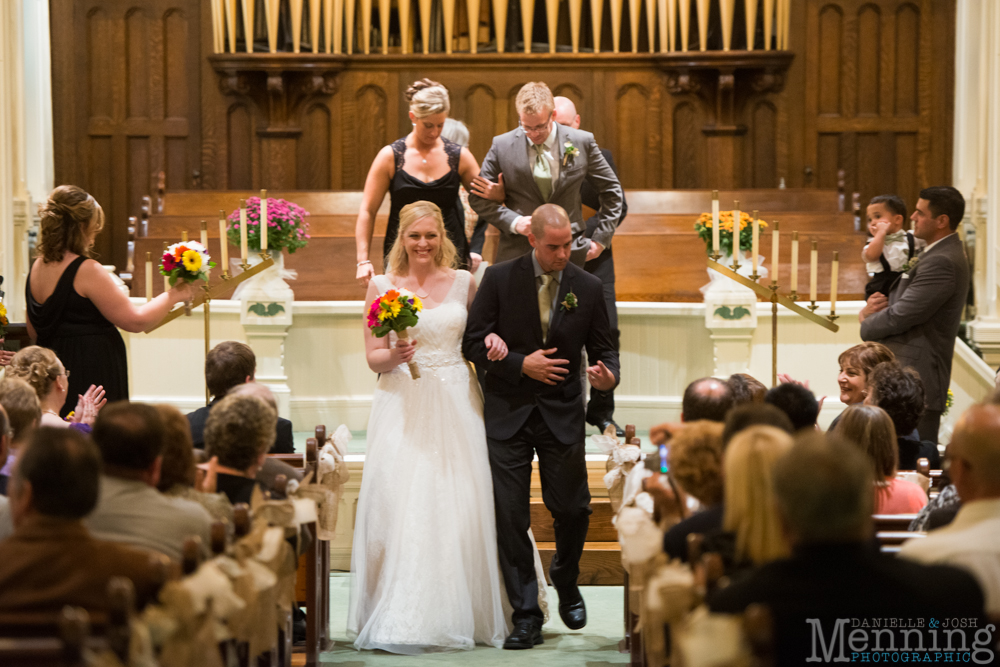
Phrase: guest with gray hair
{"type": "Point", "coordinates": [475, 228]}
{"type": "Point", "coordinates": [823, 491]}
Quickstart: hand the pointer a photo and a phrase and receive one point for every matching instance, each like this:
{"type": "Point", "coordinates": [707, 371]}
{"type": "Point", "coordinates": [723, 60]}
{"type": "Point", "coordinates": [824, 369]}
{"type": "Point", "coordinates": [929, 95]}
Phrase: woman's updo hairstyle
{"type": "Point", "coordinates": [67, 219]}
{"type": "Point", "coordinates": [38, 366]}
{"type": "Point", "coordinates": [427, 98]}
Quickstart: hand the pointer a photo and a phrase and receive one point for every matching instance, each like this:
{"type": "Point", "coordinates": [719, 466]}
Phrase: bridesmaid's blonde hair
{"type": "Point", "coordinates": [68, 218]}
{"type": "Point", "coordinates": [427, 98]}
{"type": "Point", "coordinates": [399, 262]}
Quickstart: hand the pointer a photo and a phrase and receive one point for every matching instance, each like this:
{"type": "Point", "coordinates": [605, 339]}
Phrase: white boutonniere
{"type": "Point", "coordinates": [909, 266]}
{"type": "Point", "coordinates": [569, 151]}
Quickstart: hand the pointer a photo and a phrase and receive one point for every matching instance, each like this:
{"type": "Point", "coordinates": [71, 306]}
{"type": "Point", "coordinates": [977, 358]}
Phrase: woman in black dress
{"type": "Point", "coordinates": [75, 308]}
{"type": "Point", "coordinates": [420, 166]}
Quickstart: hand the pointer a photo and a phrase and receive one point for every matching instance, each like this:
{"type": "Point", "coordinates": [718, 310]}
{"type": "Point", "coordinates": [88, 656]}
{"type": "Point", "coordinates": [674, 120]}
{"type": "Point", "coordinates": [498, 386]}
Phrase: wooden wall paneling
{"type": "Point", "coordinates": [869, 60]}
{"type": "Point", "coordinates": [830, 46]}
{"type": "Point", "coordinates": [480, 116]}
{"type": "Point", "coordinates": [939, 60]}
{"type": "Point", "coordinates": [240, 141]}
{"type": "Point", "coordinates": [906, 61]}
{"type": "Point", "coordinates": [371, 106]}
{"type": "Point", "coordinates": [907, 185]}
{"type": "Point", "coordinates": [335, 146]}
{"type": "Point", "coordinates": [632, 111]}
{"type": "Point", "coordinates": [313, 163]}
{"type": "Point", "coordinates": [764, 140]}
{"type": "Point", "coordinates": [688, 146]}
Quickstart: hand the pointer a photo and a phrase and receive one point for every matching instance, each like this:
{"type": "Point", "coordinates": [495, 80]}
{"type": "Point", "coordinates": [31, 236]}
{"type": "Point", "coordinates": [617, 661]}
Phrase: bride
{"type": "Point", "coordinates": [426, 575]}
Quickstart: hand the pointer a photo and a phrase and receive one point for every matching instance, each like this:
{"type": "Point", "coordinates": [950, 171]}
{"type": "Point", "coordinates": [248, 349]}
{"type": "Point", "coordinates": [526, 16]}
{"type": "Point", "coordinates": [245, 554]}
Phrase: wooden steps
{"type": "Point", "coordinates": [601, 563]}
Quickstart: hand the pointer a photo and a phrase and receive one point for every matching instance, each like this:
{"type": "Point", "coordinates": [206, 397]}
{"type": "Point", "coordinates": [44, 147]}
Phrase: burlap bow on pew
{"type": "Point", "coordinates": [327, 487]}
{"type": "Point", "coordinates": [621, 459]}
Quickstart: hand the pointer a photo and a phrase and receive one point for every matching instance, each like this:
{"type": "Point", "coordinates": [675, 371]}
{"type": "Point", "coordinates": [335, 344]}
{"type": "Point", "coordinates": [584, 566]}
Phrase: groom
{"type": "Point", "coordinates": [546, 309]}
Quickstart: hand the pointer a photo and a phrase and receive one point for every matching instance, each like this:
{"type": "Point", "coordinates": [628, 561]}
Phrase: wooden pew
{"type": "Point", "coordinates": [63, 647]}
{"type": "Point", "coordinates": [893, 522]}
{"type": "Point", "coordinates": [891, 540]}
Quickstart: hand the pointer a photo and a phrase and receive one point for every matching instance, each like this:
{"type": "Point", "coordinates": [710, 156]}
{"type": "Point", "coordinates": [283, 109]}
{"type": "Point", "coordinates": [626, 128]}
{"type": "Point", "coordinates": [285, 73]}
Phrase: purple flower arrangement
{"type": "Point", "coordinates": [287, 228]}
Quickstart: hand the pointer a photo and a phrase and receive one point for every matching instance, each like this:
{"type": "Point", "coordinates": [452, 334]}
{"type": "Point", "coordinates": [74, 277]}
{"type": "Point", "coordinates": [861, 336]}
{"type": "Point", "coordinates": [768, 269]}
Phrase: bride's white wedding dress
{"type": "Point", "coordinates": [426, 574]}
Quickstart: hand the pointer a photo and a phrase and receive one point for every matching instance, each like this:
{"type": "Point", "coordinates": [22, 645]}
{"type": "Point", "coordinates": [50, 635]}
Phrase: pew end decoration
{"type": "Point", "coordinates": [396, 310]}
{"type": "Point", "coordinates": [187, 261]}
{"type": "Point", "coordinates": [287, 228]}
{"type": "Point", "coordinates": [622, 458]}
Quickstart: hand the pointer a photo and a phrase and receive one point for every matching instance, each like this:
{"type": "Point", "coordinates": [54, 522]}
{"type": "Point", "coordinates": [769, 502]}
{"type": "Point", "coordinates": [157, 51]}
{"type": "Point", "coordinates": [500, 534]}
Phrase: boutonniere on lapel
{"type": "Point", "coordinates": [909, 266]}
{"type": "Point", "coordinates": [569, 152]}
{"type": "Point", "coordinates": [569, 303]}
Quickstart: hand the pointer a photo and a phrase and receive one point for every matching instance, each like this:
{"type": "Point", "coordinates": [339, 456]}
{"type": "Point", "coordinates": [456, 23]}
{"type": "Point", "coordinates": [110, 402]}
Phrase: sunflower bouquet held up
{"type": "Point", "coordinates": [188, 261]}
{"type": "Point", "coordinates": [396, 310]}
{"type": "Point", "coordinates": [703, 225]}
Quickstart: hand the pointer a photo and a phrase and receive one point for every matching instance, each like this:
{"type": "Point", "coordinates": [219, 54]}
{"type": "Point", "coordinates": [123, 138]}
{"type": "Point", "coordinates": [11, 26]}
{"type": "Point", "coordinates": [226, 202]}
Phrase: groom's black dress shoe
{"type": "Point", "coordinates": [526, 634]}
{"type": "Point", "coordinates": [572, 610]}
{"type": "Point", "coordinates": [603, 425]}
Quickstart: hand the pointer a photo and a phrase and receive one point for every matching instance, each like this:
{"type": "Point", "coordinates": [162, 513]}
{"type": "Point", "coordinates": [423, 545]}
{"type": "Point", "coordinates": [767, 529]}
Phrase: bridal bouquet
{"type": "Point", "coordinates": [703, 225]}
{"type": "Point", "coordinates": [396, 310]}
{"type": "Point", "coordinates": [188, 261]}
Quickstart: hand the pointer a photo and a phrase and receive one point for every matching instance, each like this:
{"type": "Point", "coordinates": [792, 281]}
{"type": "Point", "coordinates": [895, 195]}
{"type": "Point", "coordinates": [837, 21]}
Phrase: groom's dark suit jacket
{"type": "Point", "coordinates": [507, 305]}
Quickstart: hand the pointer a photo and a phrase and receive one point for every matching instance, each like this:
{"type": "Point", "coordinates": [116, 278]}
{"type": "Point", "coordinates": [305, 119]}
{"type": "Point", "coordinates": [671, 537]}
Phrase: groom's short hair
{"type": "Point", "coordinates": [548, 215]}
{"type": "Point", "coordinates": [534, 98]}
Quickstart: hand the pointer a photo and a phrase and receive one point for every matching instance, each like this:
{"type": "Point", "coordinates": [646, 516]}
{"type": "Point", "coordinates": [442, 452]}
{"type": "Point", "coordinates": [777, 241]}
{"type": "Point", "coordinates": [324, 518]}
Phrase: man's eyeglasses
{"type": "Point", "coordinates": [537, 128]}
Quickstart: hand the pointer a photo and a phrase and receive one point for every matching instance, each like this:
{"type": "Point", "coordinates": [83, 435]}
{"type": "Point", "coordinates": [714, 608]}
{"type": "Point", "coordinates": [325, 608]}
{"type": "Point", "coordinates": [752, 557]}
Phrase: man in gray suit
{"type": "Point", "coordinates": [919, 319]}
{"type": "Point", "coordinates": [543, 162]}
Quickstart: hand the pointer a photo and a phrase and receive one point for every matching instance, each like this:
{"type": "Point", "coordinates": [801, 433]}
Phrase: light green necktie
{"type": "Point", "coordinates": [545, 290]}
{"type": "Point", "coordinates": [542, 172]}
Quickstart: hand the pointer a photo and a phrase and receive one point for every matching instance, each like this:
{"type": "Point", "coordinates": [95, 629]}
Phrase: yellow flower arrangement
{"type": "Point", "coordinates": [703, 225]}
{"type": "Point", "coordinates": [192, 260]}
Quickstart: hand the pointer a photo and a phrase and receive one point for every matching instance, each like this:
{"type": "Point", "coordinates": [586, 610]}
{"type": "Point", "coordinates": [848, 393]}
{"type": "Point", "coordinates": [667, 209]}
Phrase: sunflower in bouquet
{"type": "Point", "coordinates": [188, 262]}
{"type": "Point", "coordinates": [396, 310]}
{"type": "Point", "coordinates": [703, 225]}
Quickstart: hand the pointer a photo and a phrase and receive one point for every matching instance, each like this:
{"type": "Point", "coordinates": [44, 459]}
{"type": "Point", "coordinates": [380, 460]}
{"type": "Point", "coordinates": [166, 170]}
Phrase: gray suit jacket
{"type": "Point", "coordinates": [509, 155]}
{"type": "Point", "coordinates": [922, 319]}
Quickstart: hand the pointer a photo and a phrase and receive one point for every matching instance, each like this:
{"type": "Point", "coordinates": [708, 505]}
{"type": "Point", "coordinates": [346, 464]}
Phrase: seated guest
{"type": "Point", "coordinates": [24, 411]}
{"type": "Point", "coordinates": [695, 460]}
{"type": "Point", "coordinates": [41, 368]}
{"type": "Point", "coordinates": [824, 499]}
{"type": "Point", "coordinates": [900, 392]}
{"type": "Point", "coordinates": [130, 509]}
{"type": "Point", "coordinates": [51, 560]}
{"type": "Point", "coordinates": [239, 431]}
{"type": "Point", "coordinates": [855, 364]}
{"type": "Point", "coordinates": [746, 389]}
{"type": "Point", "coordinates": [870, 429]}
{"type": "Point", "coordinates": [231, 364]}
{"type": "Point", "coordinates": [796, 401]}
{"type": "Point", "coordinates": [972, 540]}
{"type": "Point", "coordinates": [178, 474]}
{"type": "Point", "coordinates": [753, 534]}
{"type": "Point", "coordinates": [710, 519]}
{"type": "Point", "coordinates": [706, 398]}
{"type": "Point", "coordinates": [6, 433]}
{"type": "Point", "coordinates": [271, 467]}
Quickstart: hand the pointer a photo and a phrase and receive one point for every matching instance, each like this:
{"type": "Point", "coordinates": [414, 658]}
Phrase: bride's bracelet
{"type": "Point", "coordinates": [367, 261]}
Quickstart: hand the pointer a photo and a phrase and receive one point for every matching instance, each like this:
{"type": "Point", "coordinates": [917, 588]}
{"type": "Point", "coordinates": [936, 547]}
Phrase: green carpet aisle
{"type": "Point", "coordinates": [594, 646]}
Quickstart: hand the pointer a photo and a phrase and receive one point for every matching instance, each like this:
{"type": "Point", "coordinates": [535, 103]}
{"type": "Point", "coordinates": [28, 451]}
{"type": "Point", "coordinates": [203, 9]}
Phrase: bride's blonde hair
{"type": "Point", "coordinates": [399, 262]}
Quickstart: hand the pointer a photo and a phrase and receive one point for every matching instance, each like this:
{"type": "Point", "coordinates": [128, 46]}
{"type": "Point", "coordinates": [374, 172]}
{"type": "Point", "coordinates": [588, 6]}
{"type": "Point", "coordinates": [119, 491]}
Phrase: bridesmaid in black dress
{"type": "Point", "coordinates": [75, 308]}
{"type": "Point", "coordinates": [420, 166]}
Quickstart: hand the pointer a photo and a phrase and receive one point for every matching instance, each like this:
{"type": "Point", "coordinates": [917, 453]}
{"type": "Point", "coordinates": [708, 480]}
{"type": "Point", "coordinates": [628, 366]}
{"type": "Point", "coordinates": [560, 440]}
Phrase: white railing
{"type": "Point", "coordinates": [332, 26]}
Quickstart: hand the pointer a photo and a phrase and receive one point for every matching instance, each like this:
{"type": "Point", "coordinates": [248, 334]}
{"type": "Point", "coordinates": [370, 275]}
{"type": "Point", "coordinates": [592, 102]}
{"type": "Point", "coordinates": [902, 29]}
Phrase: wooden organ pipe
{"type": "Point", "coordinates": [500, 22]}
{"type": "Point", "coordinates": [472, 7]}
{"type": "Point", "coordinates": [527, 22]}
{"type": "Point", "coordinates": [727, 10]}
{"type": "Point", "coordinates": [575, 14]}
{"type": "Point", "coordinates": [616, 25]}
{"type": "Point", "coordinates": [218, 35]}
{"type": "Point", "coordinates": [248, 16]}
{"type": "Point", "coordinates": [425, 24]}
{"type": "Point", "coordinates": [704, 8]}
{"type": "Point", "coordinates": [349, 25]}
{"type": "Point", "coordinates": [405, 28]}
{"type": "Point", "coordinates": [633, 21]}
{"type": "Point", "coordinates": [651, 24]}
{"type": "Point", "coordinates": [552, 22]}
{"type": "Point", "coordinates": [296, 25]}
{"type": "Point", "coordinates": [366, 26]}
{"type": "Point", "coordinates": [596, 16]}
{"type": "Point", "coordinates": [751, 14]}
{"type": "Point", "coordinates": [272, 10]}
{"type": "Point", "coordinates": [685, 23]}
{"type": "Point", "coordinates": [231, 23]}
{"type": "Point", "coordinates": [383, 23]}
{"type": "Point", "coordinates": [314, 23]}
{"type": "Point", "coordinates": [768, 23]}
{"type": "Point", "coordinates": [448, 7]}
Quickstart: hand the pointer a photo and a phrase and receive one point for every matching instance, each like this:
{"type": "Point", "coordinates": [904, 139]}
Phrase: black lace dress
{"type": "Point", "coordinates": [88, 345]}
{"type": "Point", "coordinates": [406, 189]}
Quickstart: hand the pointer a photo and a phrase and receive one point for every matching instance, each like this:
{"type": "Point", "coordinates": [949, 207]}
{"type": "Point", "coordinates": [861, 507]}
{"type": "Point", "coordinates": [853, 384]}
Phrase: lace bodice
{"type": "Point", "coordinates": [439, 332]}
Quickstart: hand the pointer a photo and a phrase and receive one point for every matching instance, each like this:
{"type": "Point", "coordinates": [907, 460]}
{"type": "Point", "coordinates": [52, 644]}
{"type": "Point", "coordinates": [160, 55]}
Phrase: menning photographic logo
{"type": "Point", "coordinates": [902, 640]}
